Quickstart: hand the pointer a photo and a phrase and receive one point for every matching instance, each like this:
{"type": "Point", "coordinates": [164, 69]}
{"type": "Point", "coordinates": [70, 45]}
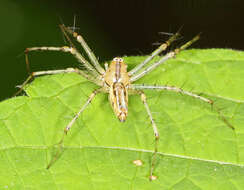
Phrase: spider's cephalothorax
{"type": "Point", "coordinates": [117, 80]}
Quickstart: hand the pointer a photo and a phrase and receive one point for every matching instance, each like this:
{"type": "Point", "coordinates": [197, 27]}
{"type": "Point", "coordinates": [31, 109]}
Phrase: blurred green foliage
{"type": "Point", "coordinates": [35, 23]}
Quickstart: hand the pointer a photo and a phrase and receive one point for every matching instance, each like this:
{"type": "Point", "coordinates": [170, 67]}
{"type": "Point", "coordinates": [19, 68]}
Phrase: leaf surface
{"type": "Point", "coordinates": [197, 149]}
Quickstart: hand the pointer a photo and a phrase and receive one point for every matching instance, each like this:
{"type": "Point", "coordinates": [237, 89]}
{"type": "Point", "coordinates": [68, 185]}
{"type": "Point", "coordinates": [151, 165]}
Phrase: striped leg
{"type": "Point", "coordinates": [169, 88]}
{"type": "Point", "coordinates": [160, 49]}
{"type": "Point", "coordinates": [169, 55]}
{"type": "Point", "coordinates": [52, 72]}
{"type": "Point", "coordinates": [156, 134]}
{"type": "Point", "coordinates": [70, 50]}
{"type": "Point", "coordinates": [70, 124]}
{"type": "Point", "coordinates": [83, 43]}
{"type": "Point", "coordinates": [179, 90]}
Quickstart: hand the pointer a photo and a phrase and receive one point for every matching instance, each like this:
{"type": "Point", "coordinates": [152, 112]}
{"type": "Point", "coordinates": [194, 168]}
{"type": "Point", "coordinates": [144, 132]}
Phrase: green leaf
{"type": "Point", "coordinates": [197, 149]}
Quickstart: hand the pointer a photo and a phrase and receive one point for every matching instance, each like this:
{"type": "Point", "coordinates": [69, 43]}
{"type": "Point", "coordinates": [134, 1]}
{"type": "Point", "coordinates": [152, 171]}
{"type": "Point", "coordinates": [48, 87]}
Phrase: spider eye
{"type": "Point", "coordinates": [118, 59]}
{"type": "Point", "coordinates": [115, 59]}
{"type": "Point", "coordinates": [121, 60]}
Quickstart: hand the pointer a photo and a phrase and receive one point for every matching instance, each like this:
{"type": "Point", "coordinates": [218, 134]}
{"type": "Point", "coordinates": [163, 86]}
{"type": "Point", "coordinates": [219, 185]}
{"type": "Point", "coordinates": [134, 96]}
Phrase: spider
{"type": "Point", "coordinates": [115, 80]}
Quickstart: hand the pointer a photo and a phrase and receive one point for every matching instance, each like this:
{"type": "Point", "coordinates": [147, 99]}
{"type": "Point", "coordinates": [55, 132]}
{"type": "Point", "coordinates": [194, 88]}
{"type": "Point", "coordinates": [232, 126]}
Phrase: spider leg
{"type": "Point", "coordinates": [83, 43]}
{"type": "Point", "coordinates": [179, 90]}
{"type": "Point", "coordinates": [155, 131]}
{"type": "Point", "coordinates": [70, 124]}
{"type": "Point", "coordinates": [52, 72]}
{"type": "Point", "coordinates": [70, 50]}
{"type": "Point", "coordinates": [160, 49]}
{"type": "Point", "coordinates": [162, 60]}
{"type": "Point", "coordinates": [169, 88]}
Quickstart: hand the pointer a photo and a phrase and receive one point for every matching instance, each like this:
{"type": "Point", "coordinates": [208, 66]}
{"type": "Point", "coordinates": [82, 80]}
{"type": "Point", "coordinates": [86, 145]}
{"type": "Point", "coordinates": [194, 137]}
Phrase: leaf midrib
{"type": "Point", "coordinates": [127, 149]}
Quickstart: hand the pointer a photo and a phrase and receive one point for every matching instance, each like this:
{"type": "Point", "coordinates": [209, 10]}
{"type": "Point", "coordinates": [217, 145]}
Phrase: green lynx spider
{"type": "Point", "coordinates": [115, 80]}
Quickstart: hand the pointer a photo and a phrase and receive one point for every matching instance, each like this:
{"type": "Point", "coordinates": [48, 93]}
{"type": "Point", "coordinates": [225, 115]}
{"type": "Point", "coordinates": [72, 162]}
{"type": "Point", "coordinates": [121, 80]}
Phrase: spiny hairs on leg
{"type": "Point", "coordinates": [92, 76]}
{"type": "Point", "coordinates": [169, 88]}
{"type": "Point", "coordinates": [169, 55]}
{"type": "Point", "coordinates": [51, 72]}
{"type": "Point", "coordinates": [65, 49]}
{"type": "Point", "coordinates": [89, 52]}
{"type": "Point", "coordinates": [70, 124]}
{"type": "Point", "coordinates": [155, 131]}
{"type": "Point", "coordinates": [160, 49]}
{"type": "Point", "coordinates": [179, 90]}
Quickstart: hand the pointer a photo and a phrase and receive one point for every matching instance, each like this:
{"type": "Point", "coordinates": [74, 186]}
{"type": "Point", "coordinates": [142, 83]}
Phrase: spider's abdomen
{"type": "Point", "coordinates": [117, 79]}
{"type": "Point", "coordinates": [118, 97]}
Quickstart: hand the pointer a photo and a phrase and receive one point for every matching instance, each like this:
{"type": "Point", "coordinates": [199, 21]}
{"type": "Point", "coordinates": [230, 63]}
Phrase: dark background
{"type": "Point", "coordinates": [111, 28]}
